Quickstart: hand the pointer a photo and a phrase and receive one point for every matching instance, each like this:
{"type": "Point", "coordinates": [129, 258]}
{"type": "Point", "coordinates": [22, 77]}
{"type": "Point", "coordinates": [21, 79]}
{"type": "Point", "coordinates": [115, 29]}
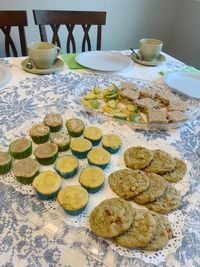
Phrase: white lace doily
{"type": "Point", "coordinates": [129, 138]}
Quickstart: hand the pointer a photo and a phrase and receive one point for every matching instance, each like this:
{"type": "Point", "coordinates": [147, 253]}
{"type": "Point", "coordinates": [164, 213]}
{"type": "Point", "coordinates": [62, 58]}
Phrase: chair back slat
{"type": "Point", "coordinates": [8, 20]}
{"type": "Point", "coordinates": [55, 18]}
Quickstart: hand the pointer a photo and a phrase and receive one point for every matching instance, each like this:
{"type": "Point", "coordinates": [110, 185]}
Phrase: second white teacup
{"type": "Point", "coordinates": [42, 54]}
{"type": "Point", "coordinates": [150, 48]}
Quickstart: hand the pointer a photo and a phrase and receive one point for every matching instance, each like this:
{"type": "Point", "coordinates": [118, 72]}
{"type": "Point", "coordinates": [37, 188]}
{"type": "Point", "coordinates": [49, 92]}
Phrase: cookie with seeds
{"type": "Point", "coordinates": [162, 235]}
{"type": "Point", "coordinates": [170, 200]}
{"type": "Point", "coordinates": [128, 183]}
{"type": "Point", "coordinates": [111, 217]}
{"type": "Point", "coordinates": [137, 157]}
{"type": "Point", "coordinates": [156, 188]}
{"type": "Point", "coordinates": [140, 233]}
{"type": "Point", "coordinates": [162, 162]}
{"type": "Point", "coordinates": [177, 174]}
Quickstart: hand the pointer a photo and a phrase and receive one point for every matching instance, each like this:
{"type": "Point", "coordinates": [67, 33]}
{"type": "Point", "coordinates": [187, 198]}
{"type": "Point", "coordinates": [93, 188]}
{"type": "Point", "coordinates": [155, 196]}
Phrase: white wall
{"type": "Point", "coordinates": [127, 20]}
{"type": "Point", "coordinates": [185, 39]}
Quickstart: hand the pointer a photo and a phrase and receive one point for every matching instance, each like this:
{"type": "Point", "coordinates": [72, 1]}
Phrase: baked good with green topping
{"type": "Point", "coordinates": [75, 127]}
{"type": "Point", "coordinates": [54, 121]}
{"type": "Point", "coordinates": [111, 217]}
{"type": "Point", "coordinates": [67, 166]}
{"type": "Point", "coordinates": [127, 183]}
{"type": "Point", "coordinates": [61, 139]}
{"type": "Point", "coordinates": [99, 157]}
{"type": "Point", "coordinates": [46, 153]}
{"type": "Point", "coordinates": [170, 200]}
{"type": "Point", "coordinates": [163, 233]}
{"type": "Point", "coordinates": [25, 170]}
{"type": "Point", "coordinates": [21, 148]}
{"type": "Point", "coordinates": [47, 184]}
{"type": "Point", "coordinates": [93, 134]}
{"type": "Point", "coordinates": [111, 143]}
{"type": "Point", "coordinates": [162, 162]}
{"type": "Point", "coordinates": [73, 199]}
{"type": "Point", "coordinates": [80, 147]}
{"type": "Point", "coordinates": [40, 133]}
{"type": "Point", "coordinates": [137, 157]}
{"type": "Point", "coordinates": [141, 231]}
{"type": "Point", "coordinates": [5, 162]}
{"type": "Point", "coordinates": [156, 189]}
{"type": "Point", "coordinates": [177, 174]}
{"type": "Point", "coordinates": [92, 179]}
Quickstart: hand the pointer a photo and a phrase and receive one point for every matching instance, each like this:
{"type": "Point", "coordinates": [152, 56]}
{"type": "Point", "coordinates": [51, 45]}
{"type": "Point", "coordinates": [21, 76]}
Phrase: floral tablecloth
{"type": "Point", "coordinates": [25, 243]}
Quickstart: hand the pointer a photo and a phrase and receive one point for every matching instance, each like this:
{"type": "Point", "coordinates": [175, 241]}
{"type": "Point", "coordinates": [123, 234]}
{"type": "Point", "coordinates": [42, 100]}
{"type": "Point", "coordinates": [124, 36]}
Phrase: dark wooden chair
{"type": "Point", "coordinates": [8, 20]}
{"type": "Point", "coordinates": [56, 18]}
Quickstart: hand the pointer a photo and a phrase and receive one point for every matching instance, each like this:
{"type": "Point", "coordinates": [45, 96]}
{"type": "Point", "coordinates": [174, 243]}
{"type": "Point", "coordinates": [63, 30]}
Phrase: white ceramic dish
{"type": "Point", "coordinates": [5, 75]}
{"type": "Point", "coordinates": [184, 82]}
{"type": "Point", "coordinates": [152, 63]}
{"type": "Point", "coordinates": [103, 61]}
{"type": "Point", "coordinates": [57, 65]}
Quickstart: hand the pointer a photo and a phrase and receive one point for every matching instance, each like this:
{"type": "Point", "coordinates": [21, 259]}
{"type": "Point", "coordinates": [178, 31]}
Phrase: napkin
{"type": "Point", "coordinates": [71, 62]}
{"type": "Point", "coordinates": [185, 69]}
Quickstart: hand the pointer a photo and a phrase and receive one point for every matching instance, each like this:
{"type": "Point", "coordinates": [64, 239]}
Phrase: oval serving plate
{"type": "Point", "coordinates": [85, 87]}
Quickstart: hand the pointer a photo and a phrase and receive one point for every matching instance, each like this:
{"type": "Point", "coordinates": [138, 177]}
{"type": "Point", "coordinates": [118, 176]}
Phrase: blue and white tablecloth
{"type": "Point", "coordinates": [25, 242]}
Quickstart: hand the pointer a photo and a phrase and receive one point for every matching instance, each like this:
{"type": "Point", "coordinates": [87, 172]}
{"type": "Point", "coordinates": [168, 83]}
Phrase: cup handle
{"type": "Point", "coordinates": [58, 50]}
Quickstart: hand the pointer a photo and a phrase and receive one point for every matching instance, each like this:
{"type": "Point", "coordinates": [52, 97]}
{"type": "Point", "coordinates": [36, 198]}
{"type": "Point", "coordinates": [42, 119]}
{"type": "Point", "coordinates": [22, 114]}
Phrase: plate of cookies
{"type": "Point", "coordinates": [140, 103]}
{"type": "Point", "coordinates": [90, 175]}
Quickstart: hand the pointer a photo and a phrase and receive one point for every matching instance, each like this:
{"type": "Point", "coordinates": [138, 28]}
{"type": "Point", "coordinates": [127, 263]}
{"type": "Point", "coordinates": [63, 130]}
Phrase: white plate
{"type": "Point", "coordinates": [184, 82]}
{"type": "Point", "coordinates": [103, 61]}
{"type": "Point", "coordinates": [4, 75]}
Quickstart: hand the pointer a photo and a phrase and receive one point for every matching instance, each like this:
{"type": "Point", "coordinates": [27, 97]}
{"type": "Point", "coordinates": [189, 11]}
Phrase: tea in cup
{"type": "Point", "coordinates": [42, 54]}
{"type": "Point", "coordinates": [150, 48]}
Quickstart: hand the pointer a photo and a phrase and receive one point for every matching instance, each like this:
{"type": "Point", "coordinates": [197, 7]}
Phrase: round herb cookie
{"type": "Point", "coordinates": [170, 200]}
{"type": "Point", "coordinates": [140, 233]}
{"type": "Point", "coordinates": [177, 174]}
{"type": "Point", "coordinates": [137, 157]}
{"type": "Point", "coordinates": [161, 237]}
{"type": "Point", "coordinates": [128, 183]}
{"type": "Point", "coordinates": [162, 162]}
{"type": "Point", "coordinates": [111, 217]}
{"type": "Point", "coordinates": [156, 188]}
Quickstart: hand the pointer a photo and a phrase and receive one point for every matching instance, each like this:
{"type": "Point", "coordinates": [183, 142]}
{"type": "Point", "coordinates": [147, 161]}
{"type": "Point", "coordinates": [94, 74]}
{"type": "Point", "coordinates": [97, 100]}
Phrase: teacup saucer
{"type": "Point", "coordinates": [57, 65]}
{"type": "Point", "coordinates": [154, 62]}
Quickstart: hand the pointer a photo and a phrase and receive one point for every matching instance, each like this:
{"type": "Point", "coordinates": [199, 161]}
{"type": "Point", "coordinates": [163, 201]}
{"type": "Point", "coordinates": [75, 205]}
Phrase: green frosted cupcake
{"type": "Point", "coordinates": [73, 199]}
{"type": "Point", "coordinates": [46, 153]}
{"type": "Point", "coordinates": [75, 127]}
{"type": "Point", "coordinates": [25, 170]}
{"type": "Point", "coordinates": [80, 147]}
{"type": "Point", "coordinates": [54, 121]}
{"type": "Point", "coordinates": [61, 139]}
{"type": "Point", "coordinates": [67, 166]}
{"type": "Point", "coordinates": [5, 162]}
{"type": "Point", "coordinates": [47, 184]}
{"type": "Point", "coordinates": [93, 134]}
{"type": "Point", "coordinates": [21, 148]}
{"type": "Point", "coordinates": [99, 157]}
{"type": "Point", "coordinates": [111, 143]}
{"type": "Point", "coordinates": [92, 179]}
{"type": "Point", "coordinates": [40, 133]}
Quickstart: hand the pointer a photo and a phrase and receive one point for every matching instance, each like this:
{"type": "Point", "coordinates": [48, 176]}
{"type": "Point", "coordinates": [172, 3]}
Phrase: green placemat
{"type": "Point", "coordinates": [71, 62]}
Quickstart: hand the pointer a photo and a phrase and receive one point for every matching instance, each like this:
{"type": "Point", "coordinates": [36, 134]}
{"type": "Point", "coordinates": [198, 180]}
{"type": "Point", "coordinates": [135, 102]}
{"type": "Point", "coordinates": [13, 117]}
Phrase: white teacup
{"type": "Point", "coordinates": [42, 54]}
{"type": "Point", "coordinates": [150, 48]}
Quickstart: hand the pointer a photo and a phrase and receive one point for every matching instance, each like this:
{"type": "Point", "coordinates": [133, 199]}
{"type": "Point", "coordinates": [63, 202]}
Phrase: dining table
{"type": "Point", "coordinates": [33, 232]}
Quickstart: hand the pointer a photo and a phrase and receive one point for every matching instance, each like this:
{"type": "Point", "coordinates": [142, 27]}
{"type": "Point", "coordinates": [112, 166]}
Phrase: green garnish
{"type": "Point", "coordinates": [94, 103]}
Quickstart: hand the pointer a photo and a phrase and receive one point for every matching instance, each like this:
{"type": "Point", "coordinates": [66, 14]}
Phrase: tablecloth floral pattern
{"type": "Point", "coordinates": [23, 244]}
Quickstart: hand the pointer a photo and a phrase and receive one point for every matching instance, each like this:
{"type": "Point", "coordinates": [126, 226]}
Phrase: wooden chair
{"type": "Point", "coordinates": [56, 18]}
{"type": "Point", "coordinates": [8, 20]}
